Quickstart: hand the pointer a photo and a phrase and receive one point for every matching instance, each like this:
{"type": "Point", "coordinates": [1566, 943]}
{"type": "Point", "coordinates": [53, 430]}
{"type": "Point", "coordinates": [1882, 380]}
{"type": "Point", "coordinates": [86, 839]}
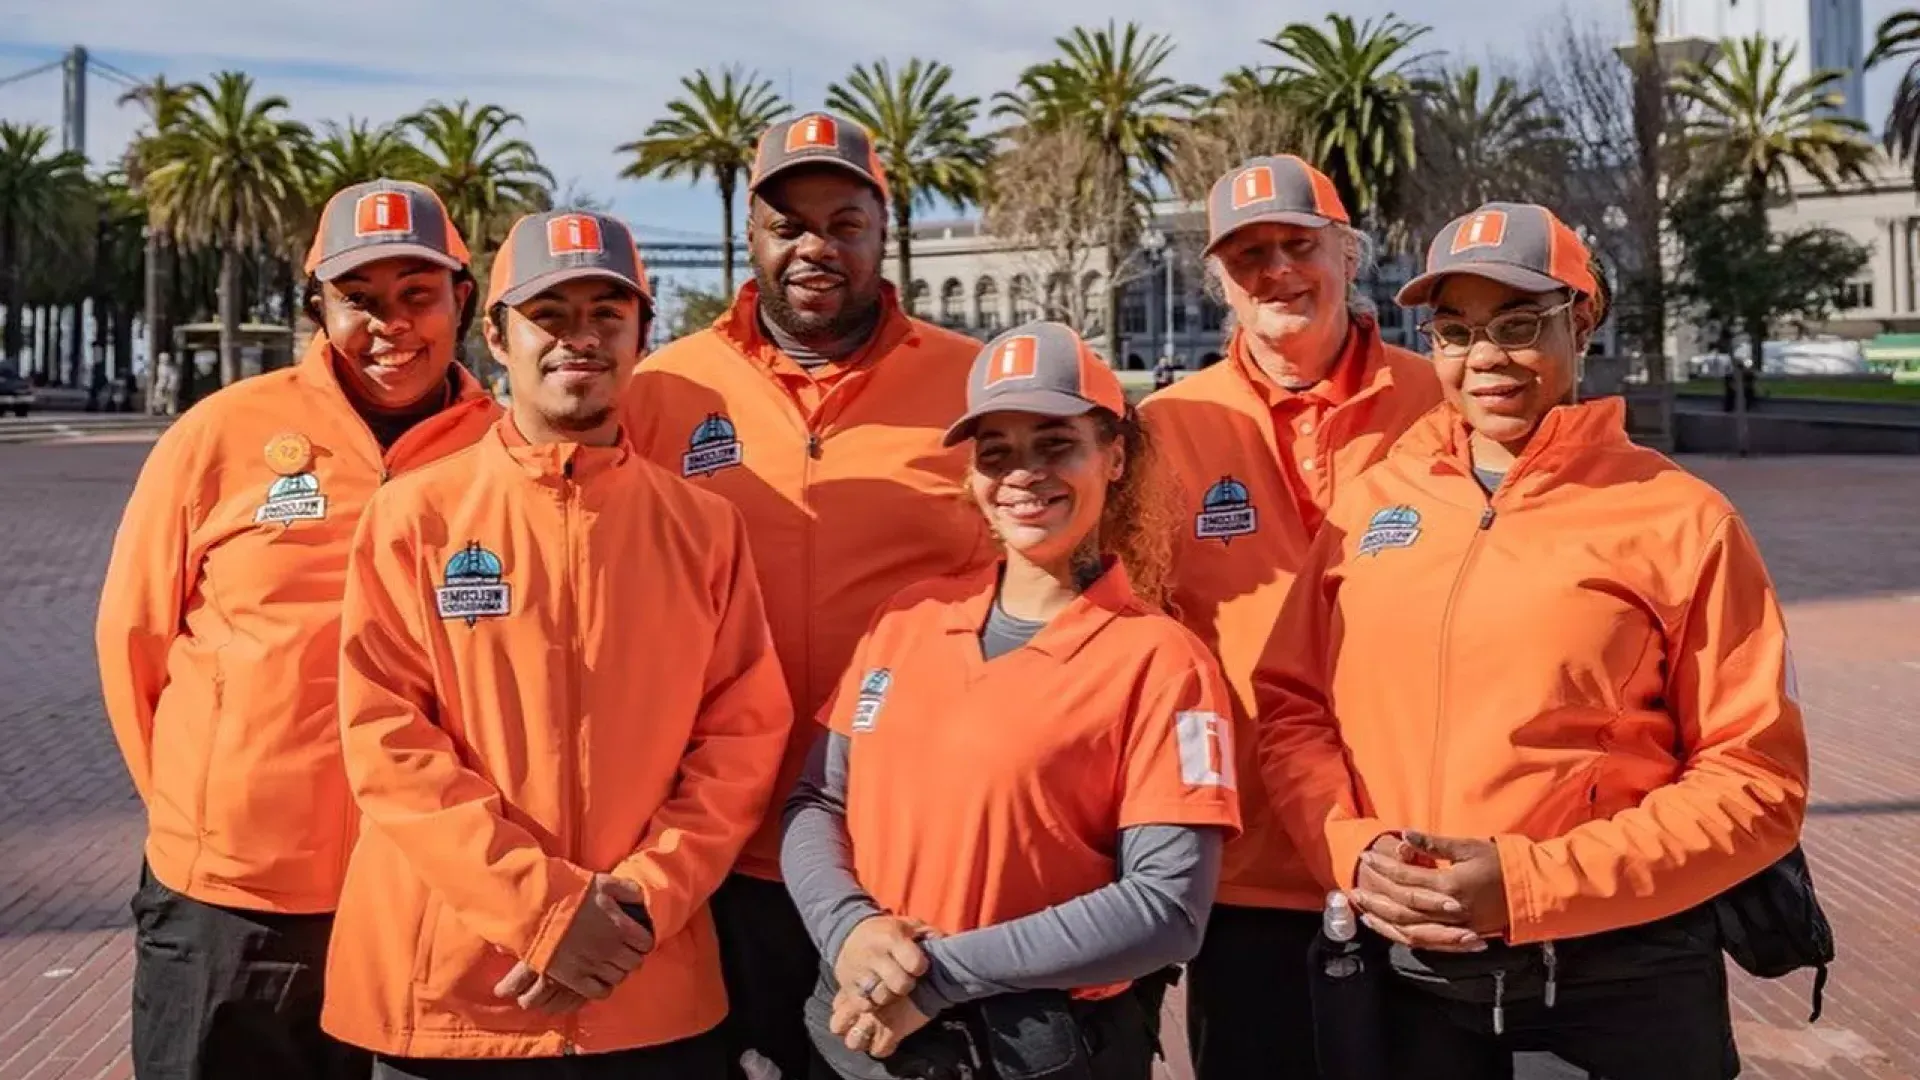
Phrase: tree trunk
{"type": "Point", "coordinates": [1756, 321]}
{"type": "Point", "coordinates": [1649, 129]}
{"type": "Point", "coordinates": [77, 374]}
{"type": "Point", "coordinates": [122, 320]}
{"type": "Point", "coordinates": [10, 293]}
{"type": "Point", "coordinates": [1111, 330]}
{"type": "Point", "coordinates": [155, 247]}
{"type": "Point", "coordinates": [726, 235]}
{"type": "Point", "coordinates": [49, 343]}
{"type": "Point", "coordinates": [229, 314]}
{"type": "Point", "coordinates": [903, 224]}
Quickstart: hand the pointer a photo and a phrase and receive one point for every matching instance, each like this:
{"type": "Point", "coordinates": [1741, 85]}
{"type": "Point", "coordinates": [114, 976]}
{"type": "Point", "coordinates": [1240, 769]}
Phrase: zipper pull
{"type": "Point", "coordinates": [566, 468]}
{"type": "Point", "coordinates": [813, 445]}
{"type": "Point", "coordinates": [1499, 1002]}
{"type": "Point", "coordinates": [1553, 972]}
{"type": "Point", "coordinates": [1486, 518]}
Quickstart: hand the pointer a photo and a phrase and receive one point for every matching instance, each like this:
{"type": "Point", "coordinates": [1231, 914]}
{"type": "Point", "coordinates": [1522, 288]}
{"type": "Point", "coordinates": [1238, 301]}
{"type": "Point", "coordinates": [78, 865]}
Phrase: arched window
{"type": "Point", "coordinates": [953, 297]}
{"type": "Point", "coordinates": [986, 304]}
{"type": "Point", "coordinates": [917, 298]}
{"type": "Point", "coordinates": [1026, 306]}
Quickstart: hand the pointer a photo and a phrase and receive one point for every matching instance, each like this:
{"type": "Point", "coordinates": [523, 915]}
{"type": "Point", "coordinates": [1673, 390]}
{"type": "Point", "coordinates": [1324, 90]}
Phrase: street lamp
{"type": "Point", "coordinates": [1159, 247]}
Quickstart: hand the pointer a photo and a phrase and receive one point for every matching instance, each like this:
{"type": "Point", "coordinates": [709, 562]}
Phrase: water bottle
{"type": "Point", "coordinates": [1346, 977]}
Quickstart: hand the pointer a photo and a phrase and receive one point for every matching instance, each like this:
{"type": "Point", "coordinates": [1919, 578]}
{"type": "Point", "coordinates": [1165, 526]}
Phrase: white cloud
{"type": "Point", "coordinates": [590, 74]}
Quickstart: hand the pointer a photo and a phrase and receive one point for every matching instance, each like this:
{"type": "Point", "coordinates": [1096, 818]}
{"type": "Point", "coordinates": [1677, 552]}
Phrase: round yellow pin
{"type": "Point", "coordinates": [289, 454]}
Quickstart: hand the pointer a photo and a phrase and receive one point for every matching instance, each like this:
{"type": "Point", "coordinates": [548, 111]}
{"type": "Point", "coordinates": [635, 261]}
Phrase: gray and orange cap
{"type": "Point", "coordinates": [1279, 188]}
{"type": "Point", "coordinates": [383, 219]}
{"type": "Point", "coordinates": [544, 250]}
{"type": "Point", "coordinates": [1043, 368]}
{"type": "Point", "coordinates": [817, 139]}
{"type": "Point", "coordinates": [1518, 244]}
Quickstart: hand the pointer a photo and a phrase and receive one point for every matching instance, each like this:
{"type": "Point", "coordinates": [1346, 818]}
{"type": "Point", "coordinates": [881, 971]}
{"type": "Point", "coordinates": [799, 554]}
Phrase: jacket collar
{"type": "Point", "coordinates": [1110, 596]}
{"type": "Point", "coordinates": [1567, 431]}
{"type": "Point", "coordinates": [1362, 370]}
{"type": "Point", "coordinates": [739, 325]}
{"type": "Point", "coordinates": [560, 460]}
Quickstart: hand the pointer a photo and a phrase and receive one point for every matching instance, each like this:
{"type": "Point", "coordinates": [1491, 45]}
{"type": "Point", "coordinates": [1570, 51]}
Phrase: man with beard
{"type": "Point", "coordinates": [819, 408]}
{"type": "Point", "coordinates": [561, 713]}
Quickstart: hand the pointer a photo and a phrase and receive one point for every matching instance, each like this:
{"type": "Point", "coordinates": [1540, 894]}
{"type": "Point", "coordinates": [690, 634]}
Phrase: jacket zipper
{"type": "Point", "coordinates": [575, 757]}
{"type": "Point", "coordinates": [1436, 769]}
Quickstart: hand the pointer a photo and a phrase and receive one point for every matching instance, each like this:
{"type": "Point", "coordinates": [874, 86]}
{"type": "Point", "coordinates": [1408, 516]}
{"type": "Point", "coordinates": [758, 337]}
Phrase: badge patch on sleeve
{"type": "Point", "coordinates": [1206, 749]}
{"type": "Point", "coordinates": [1393, 527]}
{"type": "Point", "coordinates": [873, 694]}
{"type": "Point", "coordinates": [473, 589]}
{"type": "Point", "coordinates": [292, 498]}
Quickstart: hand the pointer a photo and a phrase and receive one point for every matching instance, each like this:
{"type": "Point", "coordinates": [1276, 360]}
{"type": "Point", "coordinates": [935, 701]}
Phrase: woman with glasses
{"type": "Point", "coordinates": [1530, 703]}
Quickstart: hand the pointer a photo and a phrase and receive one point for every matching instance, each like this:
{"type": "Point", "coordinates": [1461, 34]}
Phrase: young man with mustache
{"type": "Point", "coordinates": [562, 715]}
{"type": "Point", "coordinates": [818, 407]}
{"type": "Point", "coordinates": [218, 639]}
{"type": "Point", "coordinates": [1307, 398]}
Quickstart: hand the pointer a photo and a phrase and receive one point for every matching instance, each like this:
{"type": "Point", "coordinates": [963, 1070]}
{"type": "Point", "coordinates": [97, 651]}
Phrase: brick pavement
{"type": "Point", "coordinates": [1840, 536]}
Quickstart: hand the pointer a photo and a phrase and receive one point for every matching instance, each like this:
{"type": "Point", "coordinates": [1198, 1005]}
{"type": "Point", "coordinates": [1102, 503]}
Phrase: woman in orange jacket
{"type": "Point", "coordinates": [1530, 702]}
{"type": "Point", "coordinates": [1023, 898]}
{"type": "Point", "coordinates": [218, 639]}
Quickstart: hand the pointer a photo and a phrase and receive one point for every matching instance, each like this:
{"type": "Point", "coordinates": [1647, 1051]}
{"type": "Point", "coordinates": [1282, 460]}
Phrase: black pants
{"type": "Point", "coordinates": [1671, 1026]}
{"type": "Point", "coordinates": [1249, 1009]}
{"type": "Point", "coordinates": [770, 966]}
{"type": "Point", "coordinates": [702, 1057]}
{"type": "Point", "coordinates": [221, 992]}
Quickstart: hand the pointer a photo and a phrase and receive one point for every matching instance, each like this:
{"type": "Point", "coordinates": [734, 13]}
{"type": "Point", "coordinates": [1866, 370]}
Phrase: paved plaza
{"type": "Point", "coordinates": [1842, 537]}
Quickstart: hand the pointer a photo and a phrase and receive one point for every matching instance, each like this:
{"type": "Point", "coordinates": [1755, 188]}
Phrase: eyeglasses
{"type": "Point", "coordinates": [1514, 330]}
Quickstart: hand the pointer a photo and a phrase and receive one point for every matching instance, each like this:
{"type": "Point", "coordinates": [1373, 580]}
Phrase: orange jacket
{"type": "Point", "coordinates": [1590, 668]}
{"type": "Point", "coordinates": [1256, 468]}
{"type": "Point", "coordinates": [554, 662]}
{"type": "Point", "coordinates": [218, 631]}
{"type": "Point", "coordinates": [846, 490]}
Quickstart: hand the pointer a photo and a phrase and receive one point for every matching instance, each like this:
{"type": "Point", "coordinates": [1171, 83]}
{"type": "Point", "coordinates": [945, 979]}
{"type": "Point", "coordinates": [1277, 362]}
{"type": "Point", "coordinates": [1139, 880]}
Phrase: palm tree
{"type": "Point", "coordinates": [1109, 83]}
{"type": "Point", "coordinates": [485, 177]}
{"type": "Point", "coordinates": [1249, 115]}
{"type": "Point", "coordinates": [713, 129]}
{"type": "Point", "coordinates": [1478, 143]}
{"type": "Point", "coordinates": [39, 188]}
{"type": "Point", "coordinates": [1899, 36]}
{"type": "Point", "coordinates": [1748, 121]}
{"type": "Point", "coordinates": [232, 176]}
{"type": "Point", "coordinates": [1652, 121]}
{"type": "Point", "coordinates": [165, 104]}
{"type": "Point", "coordinates": [358, 151]}
{"type": "Point", "coordinates": [922, 134]}
{"type": "Point", "coordinates": [1357, 94]}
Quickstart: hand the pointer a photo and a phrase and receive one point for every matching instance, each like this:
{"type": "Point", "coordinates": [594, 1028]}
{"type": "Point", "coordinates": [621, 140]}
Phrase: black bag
{"type": "Point", "coordinates": [1771, 924]}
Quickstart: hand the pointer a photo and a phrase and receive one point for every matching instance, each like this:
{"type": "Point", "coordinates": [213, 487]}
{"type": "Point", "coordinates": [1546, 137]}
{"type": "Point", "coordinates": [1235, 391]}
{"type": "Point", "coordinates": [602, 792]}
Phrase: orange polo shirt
{"type": "Point", "coordinates": [1255, 467]}
{"type": "Point", "coordinates": [840, 474]}
{"type": "Point", "coordinates": [981, 791]}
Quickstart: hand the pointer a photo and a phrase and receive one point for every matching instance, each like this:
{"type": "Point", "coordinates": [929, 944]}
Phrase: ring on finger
{"type": "Point", "coordinates": [868, 985]}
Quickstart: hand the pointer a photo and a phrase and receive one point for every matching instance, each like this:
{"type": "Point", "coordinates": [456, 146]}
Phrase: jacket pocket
{"type": "Point", "coordinates": [458, 970]}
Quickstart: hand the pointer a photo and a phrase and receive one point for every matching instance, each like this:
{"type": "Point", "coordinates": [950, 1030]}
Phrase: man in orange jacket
{"type": "Point", "coordinates": [218, 639]}
{"type": "Point", "coordinates": [562, 716]}
{"type": "Point", "coordinates": [818, 408]}
{"type": "Point", "coordinates": [1259, 444]}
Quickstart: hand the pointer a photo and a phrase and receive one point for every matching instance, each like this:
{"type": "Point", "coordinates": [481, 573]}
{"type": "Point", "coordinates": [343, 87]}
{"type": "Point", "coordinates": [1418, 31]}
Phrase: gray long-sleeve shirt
{"type": "Point", "coordinates": [1152, 915]}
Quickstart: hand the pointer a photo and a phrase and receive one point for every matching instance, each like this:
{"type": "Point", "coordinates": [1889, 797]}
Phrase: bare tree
{"type": "Point", "coordinates": [1048, 200]}
{"type": "Point", "coordinates": [1249, 117]}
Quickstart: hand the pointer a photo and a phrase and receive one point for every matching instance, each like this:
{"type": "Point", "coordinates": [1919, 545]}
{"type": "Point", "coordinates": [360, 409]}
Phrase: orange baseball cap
{"type": "Point", "coordinates": [384, 219]}
{"type": "Point", "coordinates": [1519, 244]}
{"type": "Point", "coordinates": [817, 139]}
{"type": "Point", "coordinates": [1043, 368]}
{"type": "Point", "coordinates": [544, 250]}
{"type": "Point", "coordinates": [1280, 188]}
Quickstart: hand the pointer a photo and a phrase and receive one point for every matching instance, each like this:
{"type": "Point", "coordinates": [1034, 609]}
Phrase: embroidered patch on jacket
{"type": "Point", "coordinates": [715, 445]}
{"type": "Point", "coordinates": [292, 498]}
{"type": "Point", "coordinates": [1226, 511]}
{"type": "Point", "coordinates": [473, 589]}
{"type": "Point", "coordinates": [1393, 527]}
{"type": "Point", "coordinates": [1205, 740]}
{"type": "Point", "coordinates": [873, 694]}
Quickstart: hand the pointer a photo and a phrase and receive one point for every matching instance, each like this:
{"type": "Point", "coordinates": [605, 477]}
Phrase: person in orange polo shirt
{"type": "Point", "coordinates": [1531, 701]}
{"type": "Point", "coordinates": [1033, 891]}
{"type": "Point", "coordinates": [1307, 398]}
{"type": "Point", "coordinates": [817, 406]}
{"type": "Point", "coordinates": [562, 716]}
{"type": "Point", "coordinates": [218, 639]}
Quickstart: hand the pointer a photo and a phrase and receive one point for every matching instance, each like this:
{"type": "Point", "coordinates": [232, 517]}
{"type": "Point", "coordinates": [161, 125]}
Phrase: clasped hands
{"type": "Point", "coordinates": [876, 971]}
{"type": "Point", "coordinates": [1432, 892]}
{"type": "Point", "coordinates": [602, 946]}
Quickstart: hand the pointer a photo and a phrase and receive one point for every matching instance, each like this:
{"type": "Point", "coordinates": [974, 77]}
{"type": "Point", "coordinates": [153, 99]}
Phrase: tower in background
{"type": "Point", "coordinates": [1829, 34]}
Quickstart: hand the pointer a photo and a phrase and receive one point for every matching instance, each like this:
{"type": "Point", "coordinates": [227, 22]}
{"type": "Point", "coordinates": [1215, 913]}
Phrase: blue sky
{"type": "Point", "coordinates": [588, 75]}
